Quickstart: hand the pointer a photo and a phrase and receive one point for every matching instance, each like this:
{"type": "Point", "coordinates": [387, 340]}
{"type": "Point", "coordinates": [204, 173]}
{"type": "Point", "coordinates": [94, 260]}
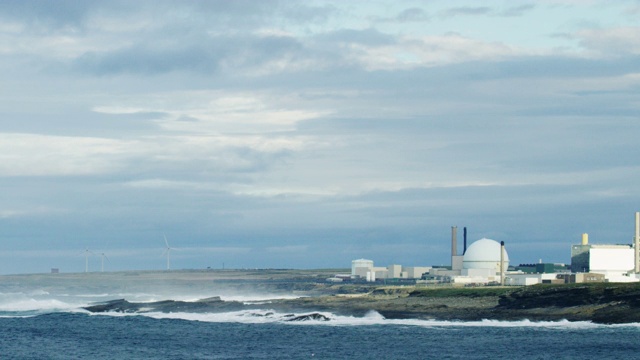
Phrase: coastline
{"type": "Point", "coordinates": [306, 291]}
{"type": "Point", "coordinates": [604, 303]}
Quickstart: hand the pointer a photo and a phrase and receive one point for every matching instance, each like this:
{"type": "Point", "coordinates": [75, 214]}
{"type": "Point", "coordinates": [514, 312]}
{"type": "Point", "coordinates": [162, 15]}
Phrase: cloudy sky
{"type": "Point", "coordinates": [305, 134]}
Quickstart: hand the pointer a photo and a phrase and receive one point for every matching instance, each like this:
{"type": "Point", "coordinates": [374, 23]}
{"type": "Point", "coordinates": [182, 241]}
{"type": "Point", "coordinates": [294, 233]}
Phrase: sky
{"type": "Point", "coordinates": [306, 134]}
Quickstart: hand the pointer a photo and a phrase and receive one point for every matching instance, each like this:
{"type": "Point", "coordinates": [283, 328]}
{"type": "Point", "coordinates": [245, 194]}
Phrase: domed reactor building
{"type": "Point", "coordinates": [481, 262]}
{"type": "Point", "coordinates": [484, 254]}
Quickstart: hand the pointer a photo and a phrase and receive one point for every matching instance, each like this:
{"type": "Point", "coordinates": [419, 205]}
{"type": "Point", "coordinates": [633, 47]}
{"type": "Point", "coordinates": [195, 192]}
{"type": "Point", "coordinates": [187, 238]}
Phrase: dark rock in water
{"type": "Point", "coordinates": [212, 304]}
{"type": "Point", "coordinates": [601, 303]}
{"type": "Point", "coordinates": [119, 305]}
{"type": "Point", "coordinates": [268, 314]}
{"type": "Point", "coordinates": [211, 299]}
{"type": "Point", "coordinates": [307, 317]}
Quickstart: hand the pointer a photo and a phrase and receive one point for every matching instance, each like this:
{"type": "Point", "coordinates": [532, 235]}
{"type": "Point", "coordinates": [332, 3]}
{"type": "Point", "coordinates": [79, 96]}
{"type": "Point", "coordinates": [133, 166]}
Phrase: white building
{"type": "Point", "coordinates": [615, 262]}
{"type": "Point", "coordinates": [529, 279]}
{"type": "Point", "coordinates": [394, 271]}
{"type": "Point", "coordinates": [484, 254]}
{"type": "Point", "coordinates": [415, 272]}
{"type": "Point", "coordinates": [360, 267]}
{"type": "Point", "coordinates": [480, 263]}
{"type": "Point", "coordinates": [364, 269]}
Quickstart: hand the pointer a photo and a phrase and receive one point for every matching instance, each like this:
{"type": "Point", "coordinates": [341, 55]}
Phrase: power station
{"type": "Point", "coordinates": [486, 262]}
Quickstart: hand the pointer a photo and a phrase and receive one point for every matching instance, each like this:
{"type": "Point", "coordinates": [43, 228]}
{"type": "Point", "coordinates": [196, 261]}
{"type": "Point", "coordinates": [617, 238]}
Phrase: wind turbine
{"type": "Point", "coordinates": [86, 259]}
{"type": "Point", "coordinates": [167, 251]}
{"type": "Point", "coordinates": [103, 255]}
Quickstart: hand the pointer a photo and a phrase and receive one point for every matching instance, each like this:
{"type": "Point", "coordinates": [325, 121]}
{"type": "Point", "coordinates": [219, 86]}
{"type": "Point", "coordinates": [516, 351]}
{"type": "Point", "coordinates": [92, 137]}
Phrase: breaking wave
{"type": "Point", "coordinates": [41, 302]}
{"type": "Point", "coordinates": [371, 318]}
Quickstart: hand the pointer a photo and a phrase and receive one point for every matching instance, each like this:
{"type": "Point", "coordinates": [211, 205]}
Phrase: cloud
{"type": "Point", "coordinates": [41, 12]}
{"type": "Point", "coordinates": [201, 54]}
{"type": "Point", "coordinates": [428, 51]}
{"type": "Point", "coordinates": [517, 10]}
{"type": "Point", "coordinates": [216, 112]}
{"type": "Point", "coordinates": [511, 11]}
{"type": "Point", "coordinates": [466, 10]}
{"type": "Point", "coordinates": [410, 15]}
{"type": "Point", "coordinates": [45, 155]}
{"type": "Point", "coordinates": [38, 155]}
{"type": "Point", "coordinates": [324, 131]}
{"type": "Point", "coordinates": [611, 42]}
{"type": "Point", "coordinates": [5, 214]}
{"type": "Point", "coordinates": [367, 37]}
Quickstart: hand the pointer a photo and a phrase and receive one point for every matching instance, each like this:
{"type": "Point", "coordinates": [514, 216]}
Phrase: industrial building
{"type": "Point", "coordinates": [486, 261]}
{"type": "Point", "coordinates": [615, 262]}
{"type": "Point", "coordinates": [364, 269]}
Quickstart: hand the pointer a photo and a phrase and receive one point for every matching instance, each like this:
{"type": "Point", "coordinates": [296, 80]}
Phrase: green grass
{"type": "Point", "coordinates": [463, 292]}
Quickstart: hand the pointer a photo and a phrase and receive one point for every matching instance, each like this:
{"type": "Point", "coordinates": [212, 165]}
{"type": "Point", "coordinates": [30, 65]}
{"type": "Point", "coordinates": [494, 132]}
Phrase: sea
{"type": "Point", "coordinates": [50, 323]}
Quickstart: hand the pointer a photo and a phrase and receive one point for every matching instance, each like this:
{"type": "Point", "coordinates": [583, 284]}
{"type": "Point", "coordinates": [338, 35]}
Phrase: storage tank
{"type": "Point", "coordinates": [361, 263]}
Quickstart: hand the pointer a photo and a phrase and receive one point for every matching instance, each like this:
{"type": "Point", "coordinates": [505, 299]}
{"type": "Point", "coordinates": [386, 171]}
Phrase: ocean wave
{"type": "Point", "coordinates": [38, 302]}
{"type": "Point", "coordinates": [371, 318]}
{"type": "Point", "coordinates": [41, 301]}
{"type": "Point", "coordinates": [18, 302]}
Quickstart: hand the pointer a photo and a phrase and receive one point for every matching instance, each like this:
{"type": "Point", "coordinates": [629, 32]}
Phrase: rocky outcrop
{"type": "Point", "coordinates": [600, 303]}
{"type": "Point", "coordinates": [213, 304]}
{"type": "Point", "coordinates": [306, 317]}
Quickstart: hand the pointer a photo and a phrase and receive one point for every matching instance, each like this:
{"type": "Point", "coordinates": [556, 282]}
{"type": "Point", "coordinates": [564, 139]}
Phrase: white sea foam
{"type": "Point", "coordinates": [16, 304]}
{"type": "Point", "coordinates": [371, 318]}
{"type": "Point", "coordinates": [38, 301]}
{"type": "Point", "coordinates": [257, 299]}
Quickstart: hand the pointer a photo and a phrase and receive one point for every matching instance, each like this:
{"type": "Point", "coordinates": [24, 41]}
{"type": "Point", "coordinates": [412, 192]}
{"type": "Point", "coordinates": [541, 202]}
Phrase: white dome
{"type": "Point", "coordinates": [484, 254]}
{"type": "Point", "coordinates": [360, 264]}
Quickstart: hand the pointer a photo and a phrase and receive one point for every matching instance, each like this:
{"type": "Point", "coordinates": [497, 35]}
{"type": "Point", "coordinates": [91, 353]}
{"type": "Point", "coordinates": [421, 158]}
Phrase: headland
{"type": "Point", "coordinates": [307, 291]}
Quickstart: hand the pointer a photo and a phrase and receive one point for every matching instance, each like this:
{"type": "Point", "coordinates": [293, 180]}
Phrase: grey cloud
{"type": "Point", "coordinates": [44, 16]}
{"type": "Point", "coordinates": [413, 15]}
{"type": "Point", "coordinates": [485, 10]}
{"type": "Point", "coordinates": [517, 10]}
{"type": "Point", "coordinates": [517, 149]}
{"type": "Point", "coordinates": [245, 14]}
{"type": "Point", "coordinates": [407, 16]}
{"type": "Point", "coordinates": [200, 55]}
{"type": "Point", "coordinates": [79, 122]}
{"type": "Point", "coordinates": [466, 10]}
{"type": "Point", "coordinates": [186, 118]}
{"type": "Point", "coordinates": [299, 12]}
{"type": "Point", "coordinates": [425, 215]}
{"type": "Point", "coordinates": [48, 13]}
{"type": "Point", "coordinates": [366, 37]}
{"type": "Point", "coordinates": [611, 42]}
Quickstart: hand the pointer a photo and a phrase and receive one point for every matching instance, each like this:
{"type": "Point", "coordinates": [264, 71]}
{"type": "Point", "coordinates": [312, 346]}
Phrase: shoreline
{"type": "Point", "coordinates": [604, 303]}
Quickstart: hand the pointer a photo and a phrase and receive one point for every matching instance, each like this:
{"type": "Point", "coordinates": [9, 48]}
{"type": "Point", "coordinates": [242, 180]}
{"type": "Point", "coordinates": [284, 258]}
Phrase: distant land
{"type": "Point", "coordinates": [606, 303]}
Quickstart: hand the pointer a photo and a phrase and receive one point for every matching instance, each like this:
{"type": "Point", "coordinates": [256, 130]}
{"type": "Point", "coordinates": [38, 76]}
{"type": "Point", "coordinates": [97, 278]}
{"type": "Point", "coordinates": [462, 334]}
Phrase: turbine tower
{"type": "Point", "coordinates": [86, 259]}
{"type": "Point", "coordinates": [103, 255]}
{"type": "Point", "coordinates": [167, 250]}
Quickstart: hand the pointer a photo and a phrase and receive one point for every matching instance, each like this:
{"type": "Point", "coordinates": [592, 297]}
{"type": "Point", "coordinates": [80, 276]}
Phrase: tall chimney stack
{"type": "Point", "coordinates": [636, 243]}
{"type": "Point", "coordinates": [454, 241]}
{"type": "Point", "coordinates": [464, 234]}
{"type": "Point", "coordinates": [502, 263]}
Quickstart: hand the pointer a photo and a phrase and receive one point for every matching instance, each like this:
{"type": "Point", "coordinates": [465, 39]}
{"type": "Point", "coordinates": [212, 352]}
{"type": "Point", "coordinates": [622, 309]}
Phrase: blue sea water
{"type": "Point", "coordinates": [77, 335]}
{"type": "Point", "coordinates": [42, 317]}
